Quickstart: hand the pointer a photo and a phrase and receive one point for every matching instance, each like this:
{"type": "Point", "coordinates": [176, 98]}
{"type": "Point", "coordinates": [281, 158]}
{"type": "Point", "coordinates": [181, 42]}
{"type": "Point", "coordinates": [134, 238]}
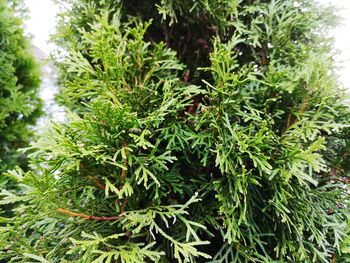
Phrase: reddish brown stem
{"type": "Point", "coordinates": [97, 183]}
{"type": "Point", "coordinates": [88, 217]}
{"type": "Point", "coordinates": [100, 185]}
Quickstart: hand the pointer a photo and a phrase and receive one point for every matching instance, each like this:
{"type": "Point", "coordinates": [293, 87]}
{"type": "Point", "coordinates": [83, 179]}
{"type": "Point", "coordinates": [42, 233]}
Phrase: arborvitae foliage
{"type": "Point", "coordinates": [19, 84]}
{"type": "Point", "coordinates": [199, 131]}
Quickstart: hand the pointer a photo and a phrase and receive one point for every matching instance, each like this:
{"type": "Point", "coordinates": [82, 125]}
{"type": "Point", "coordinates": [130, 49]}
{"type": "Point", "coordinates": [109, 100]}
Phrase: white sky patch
{"type": "Point", "coordinates": [342, 39]}
{"type": "Point", "coordinates": [42, 22]}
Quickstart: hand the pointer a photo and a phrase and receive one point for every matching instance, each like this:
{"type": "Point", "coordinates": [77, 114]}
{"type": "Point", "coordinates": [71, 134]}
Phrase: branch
{"type": "Point", "coordinates": [88, 217]}
{"type": "Point", "coordinates": [100, 185]}
{"type": "Point", "coordinates": [122, 178]}
{"type": "Point", "coordinates": [291, 120]}
{"type": "Point", "coordinates": [97, 183]}
{"type": "Point", "coordinates": [341, 180]}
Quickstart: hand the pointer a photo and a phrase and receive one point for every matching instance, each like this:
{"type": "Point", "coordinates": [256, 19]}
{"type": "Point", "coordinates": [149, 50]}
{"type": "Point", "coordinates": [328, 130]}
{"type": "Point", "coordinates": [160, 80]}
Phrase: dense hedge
{"type": "Point", "coordinates": [19, 85]}
{"type": "Point", "coordinates": [20, 104]}
{"type": "Point", "coordinates": [199, 131]}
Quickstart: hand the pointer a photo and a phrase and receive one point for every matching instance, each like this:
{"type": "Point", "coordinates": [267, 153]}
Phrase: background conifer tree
{"type": "Point", "coordinates": [199, 131]}
{"type": "Point", "coordinates": [20, 104]}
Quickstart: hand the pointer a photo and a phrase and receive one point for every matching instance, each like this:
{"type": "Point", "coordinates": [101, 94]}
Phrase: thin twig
{"type": "Point", "coordinates": [291, 121]}
{"type": "Point", "coordinates": [122, 178]}
{"type": "Point", "coordinates": [341, 180]}
{"type": "Point", "coordinates": [97, 183]}
{"type": "Point", "coordinates": [88, 217]}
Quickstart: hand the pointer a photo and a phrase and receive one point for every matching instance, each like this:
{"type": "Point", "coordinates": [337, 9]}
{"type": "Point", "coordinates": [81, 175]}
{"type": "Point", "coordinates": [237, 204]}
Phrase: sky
{"type": "Point", "coordinates": [342, 39]}
{"type": "Point", "coordinates": [42, 23]}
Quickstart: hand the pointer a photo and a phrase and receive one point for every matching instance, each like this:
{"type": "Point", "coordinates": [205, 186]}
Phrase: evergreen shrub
{"type": "Point", "coordinates": [198, 131]}
{"type": "Point", "coordinates": [20, 105]}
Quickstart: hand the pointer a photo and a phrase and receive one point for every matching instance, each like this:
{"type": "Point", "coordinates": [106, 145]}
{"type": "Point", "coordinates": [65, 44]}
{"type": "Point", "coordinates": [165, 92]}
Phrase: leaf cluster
{"type": "Point", "coordinates": [20, 104]}
{"type": "Point", "coordinates": [229, 150]}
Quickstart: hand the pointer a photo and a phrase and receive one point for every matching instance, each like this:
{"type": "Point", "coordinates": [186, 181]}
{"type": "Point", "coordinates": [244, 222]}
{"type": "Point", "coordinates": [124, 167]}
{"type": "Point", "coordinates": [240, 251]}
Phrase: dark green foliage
{"type": "Point", "coordinates": [199, 131]}
{"type": "Point", "coordinates": [20, 105]}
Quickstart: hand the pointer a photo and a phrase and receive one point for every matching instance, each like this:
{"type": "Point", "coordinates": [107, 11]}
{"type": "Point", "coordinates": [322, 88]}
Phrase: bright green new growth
{"type": "Point", "coordinates": [20, 104]}
{"type": "Point", "coordinates": [231, 148]}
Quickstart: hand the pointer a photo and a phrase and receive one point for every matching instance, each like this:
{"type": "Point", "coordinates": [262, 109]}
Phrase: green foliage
{"type": "Point", "coordinates": [229, 146]}
{"type": "Point", "coordinates": [20, 104]}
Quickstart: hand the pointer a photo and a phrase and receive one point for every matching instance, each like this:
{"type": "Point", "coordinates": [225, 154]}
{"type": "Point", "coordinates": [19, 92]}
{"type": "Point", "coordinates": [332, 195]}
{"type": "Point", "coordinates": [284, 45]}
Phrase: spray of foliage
{"type": "Point", "coordinates": [20, 105]}
{"type": "Point", "coordinates": [199, 131]}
